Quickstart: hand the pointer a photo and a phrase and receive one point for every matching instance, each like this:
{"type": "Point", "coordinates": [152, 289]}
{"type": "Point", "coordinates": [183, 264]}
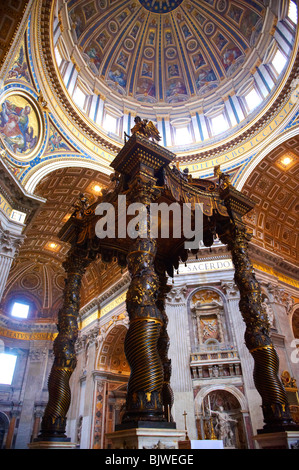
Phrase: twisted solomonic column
{"type": "Point", "coordinates": [144, 394]}
{"type": "Point", "coordinates": [163, 346]}
{"type": "Point", "coordinates": [257, 335]}
{"type": "Point", "coordinates": [54, 419]}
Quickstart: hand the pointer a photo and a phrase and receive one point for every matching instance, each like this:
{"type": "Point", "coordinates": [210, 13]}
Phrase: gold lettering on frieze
{"type": "Point", "coordinates": [93, 316]}
{"type": "Point", "coordinates": [248, 145]}
{"type": "Point", "coordinates": [27, 336]}
{"type": "Point", "coordinates": [114, 303]}
{"type": "Point", "coordinates": [281, 277]}
{"type": "Point", "coordinates": [215, 265]}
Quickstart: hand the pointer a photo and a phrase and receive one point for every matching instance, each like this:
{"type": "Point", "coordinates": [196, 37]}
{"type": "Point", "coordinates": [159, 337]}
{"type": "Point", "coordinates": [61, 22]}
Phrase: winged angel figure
{"type": "Point", "coordinates": [146, 128]}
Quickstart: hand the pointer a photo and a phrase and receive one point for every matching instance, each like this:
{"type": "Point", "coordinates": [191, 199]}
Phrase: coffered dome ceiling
{"type": "Point", "coordinates": [167, 51]}
{"type": "Point", "coordinates": [179, 63]}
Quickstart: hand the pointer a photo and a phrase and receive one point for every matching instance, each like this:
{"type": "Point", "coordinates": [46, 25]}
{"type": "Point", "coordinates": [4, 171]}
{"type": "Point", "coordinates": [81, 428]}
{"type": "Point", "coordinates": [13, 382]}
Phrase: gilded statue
{"type": "Point", "coordinates": [146, 128]}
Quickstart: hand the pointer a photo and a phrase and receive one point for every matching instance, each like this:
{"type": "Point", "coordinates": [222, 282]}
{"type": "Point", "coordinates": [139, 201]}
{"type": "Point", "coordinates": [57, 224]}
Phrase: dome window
{"type": "Point", "coordinates": [7, 368]}
{"type": "Point", "coordinates": [110, 123]}
{"type": "Point", "coordinates": [219, 124]}
{"type": "Point", "coordinates": [112, 119]}
{"type": "Point", "coordinates": [20, 310]}
{"type": "Point", "coordinates": [292, 12]}
{"type": "Point", "coordinates": [279, 61]}
{"type": "Point", "coordinates": [252, 99]}
{"type": "Point", "coordinates": [79, 98]}
{"type": "Point", "coordinates": [58, 56]}
{"type": "Point", "coordinates": [182, 136]}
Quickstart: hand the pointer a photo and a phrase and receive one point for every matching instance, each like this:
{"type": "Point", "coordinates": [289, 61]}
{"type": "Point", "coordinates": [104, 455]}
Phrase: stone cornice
{"type": "Point", "coordinates": [108, 295]}
{"type": "Point", "coordinates": [273, 260]}
{"type": "Point", "coordinates": [15, 193]}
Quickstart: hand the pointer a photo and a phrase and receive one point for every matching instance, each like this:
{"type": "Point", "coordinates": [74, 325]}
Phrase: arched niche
{"type": "Point", "coordinates": [209, 319]}
{"type": "Point", "coordinates": [220, 414]}
{"type": "Point", "coordinates": [295, 321]}
{"type": "Point", "coordinates": [111, 377]}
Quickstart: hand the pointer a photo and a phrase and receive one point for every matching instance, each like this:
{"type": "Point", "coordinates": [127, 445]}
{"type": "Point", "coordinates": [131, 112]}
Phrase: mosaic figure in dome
{"type": "Point", "coordinates": [249, 20]}
{"type": "Point", "coordinates": [19, 70]}
{"type": "Point", "coordinates": [77, 22]}
{"type": "Point", "coordinates": [118, 76]}
{"type": "Point", "coordinates": [15, 127]}
{"type": "Point", "coordinates": [89, 10]}
{"type": "Point", "coordinates": [56, 142]}
{"type": "Point", "coordinates": [205, 76]}
{"type": "Point", "coordinates": [145, 88]}
{"type": "Point", "coordinates": [175, 89]}
{"type": "Point", "coordinates": [198, 61]}
{"type": "Point", "coordinates": [230, 55]}
{"type": "Point", "coordinates": [94, 55]}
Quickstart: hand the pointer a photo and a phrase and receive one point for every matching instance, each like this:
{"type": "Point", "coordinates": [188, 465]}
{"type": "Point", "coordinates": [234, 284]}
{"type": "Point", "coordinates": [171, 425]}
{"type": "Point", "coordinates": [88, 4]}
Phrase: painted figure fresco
{"type": "Point", "coordinates": [119, 77]}
{"type": "Point", "coordinates": [205, 76]}
{"type": "Point", "coordinates": [147, 70]}
{"type": "Point", "coordinates": [235, 13]}
{"type": "Point", "coordinates": [168, 38]}
{"type": "Point", "coordinates": [18, 125]}
{"type": "Point", "coordinates": [102, 39]}
{"type": "Point", "coordinates": [249, 20]}
{"type": "Point", "coordinates": [230, 55]}
{"type": "Point", "coordinates": [173, 70]}
{"type": "Point", "coordinates": [122, 60]}
{"type": "Point", "coordinates": [198, 60]}
{"type": "Point", "coordinates": [176, 89]}
{"type": "Point", "coordinates": [94, 55]}
{"type": "Point", "coordinates": [220, 41]}
{"type": "Point", "coordinates": [19, 70]}
{"type": "Point", "coordinates": [146, 88]}
{"type": "Point", "coordinates": [56, 141]}
{"type": "Point", "coordinates": [89, 10]}
{"type": "Point", "coordinates": [77, 21]}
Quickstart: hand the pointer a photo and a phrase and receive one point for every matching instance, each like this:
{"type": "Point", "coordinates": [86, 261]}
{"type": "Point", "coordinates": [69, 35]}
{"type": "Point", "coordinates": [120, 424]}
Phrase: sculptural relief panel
{"type": "Point", "coordinates": [206, 306]}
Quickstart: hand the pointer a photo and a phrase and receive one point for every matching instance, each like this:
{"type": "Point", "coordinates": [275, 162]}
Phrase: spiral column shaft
{"type": "Point", "coordinates": [257, 335]}
{"type": "Point", "coordinates": [54, 419]}
{"type": "Point", "coordinates": [144, 400]}
{"type": "Point", "coordinates": [163, 345]}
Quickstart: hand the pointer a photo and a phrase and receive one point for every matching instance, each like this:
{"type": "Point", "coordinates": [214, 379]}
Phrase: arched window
{"type": "Point", "coordinates": [292, 12]}
{"type": "Point", "coordinates": [7, 367]}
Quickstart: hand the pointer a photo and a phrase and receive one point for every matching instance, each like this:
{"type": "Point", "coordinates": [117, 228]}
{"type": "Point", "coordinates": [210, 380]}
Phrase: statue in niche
{"type": "Point", "coordinates": [215, 371]}
{"type": "Point", "coordinates": [224, 409]}
{"type": "Point", "coordinates": [79, 429]}
{"type": "Point", "coordinates": [269, 312]}
{"type": "Point", "coordinates": [223, 428]}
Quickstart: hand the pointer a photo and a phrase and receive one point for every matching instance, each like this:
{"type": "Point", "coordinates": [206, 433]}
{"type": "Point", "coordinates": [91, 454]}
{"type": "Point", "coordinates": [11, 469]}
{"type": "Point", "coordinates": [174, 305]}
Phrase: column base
{"type": "Point", "coordinates": [52, 443]}
{"type": "Point", "coordinates": [278, 440]}
{"type": "Point", "coordinates": [146, 438]}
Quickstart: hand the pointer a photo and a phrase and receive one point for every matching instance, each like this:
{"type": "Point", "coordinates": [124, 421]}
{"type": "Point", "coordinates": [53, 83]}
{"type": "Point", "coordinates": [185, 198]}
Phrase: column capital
{"type": "Point", "coordinates": [10, 243]}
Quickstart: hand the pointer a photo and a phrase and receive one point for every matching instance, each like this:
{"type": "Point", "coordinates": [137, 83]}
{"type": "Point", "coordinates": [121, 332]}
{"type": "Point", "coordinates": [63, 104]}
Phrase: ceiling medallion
{"type": "Point", "coordinates": [160, 6]}
{"type": "Point", "coordinates": [21, 125]}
